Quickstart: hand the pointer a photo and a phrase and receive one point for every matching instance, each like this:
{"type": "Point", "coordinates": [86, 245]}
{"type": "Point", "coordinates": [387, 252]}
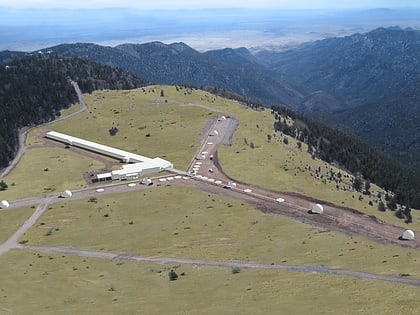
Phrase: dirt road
{"type": "Point", "coordinates": [12, 242]}
{"type": "Point", "coordinates": [221, 263]}
{"type": "Point", "coordinates": [23, 132]}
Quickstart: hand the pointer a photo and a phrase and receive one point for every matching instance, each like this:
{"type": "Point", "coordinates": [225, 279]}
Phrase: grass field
{"type": "Point", "coordinates": [189, 223]}
{"type": "Point", "coordinates": [39, 283]}
{"type": "Point", "coordinates": [11, 220]}
{"type": "Point", "coordinates": [146, 124]}
{"type": "Point", "coordinates": [183, 222]}
{"type": "Point", "coordinates": [46, 170]}
{"type": "Point", "coordinates": [170, 127]}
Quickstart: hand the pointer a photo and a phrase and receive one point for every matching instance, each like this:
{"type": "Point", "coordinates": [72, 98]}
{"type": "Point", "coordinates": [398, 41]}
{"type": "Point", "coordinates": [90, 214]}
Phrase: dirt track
{"type": "Point", "coordinates": [223, 263]}
{"type": "Point", "coordinates": [24, 132]}
{"type": "Point", "coordinates": [295, 206]}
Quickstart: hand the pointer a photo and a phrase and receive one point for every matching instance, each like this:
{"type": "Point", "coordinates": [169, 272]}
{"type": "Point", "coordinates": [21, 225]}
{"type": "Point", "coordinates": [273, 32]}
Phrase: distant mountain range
{"type": "Point", "coordinates": [236, 70]}
{"type": "Point", "coordinates": [366, 84]}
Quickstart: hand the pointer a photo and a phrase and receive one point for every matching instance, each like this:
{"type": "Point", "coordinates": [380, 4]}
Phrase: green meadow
{"type": "Point", "coordinates": [177, 221]}
{"type": "Point", "coordinates": [11, 220]}
{"type": "Point", "coordinates": [170, 126]}
{"type": "Point", "coordinates": [39, 283]}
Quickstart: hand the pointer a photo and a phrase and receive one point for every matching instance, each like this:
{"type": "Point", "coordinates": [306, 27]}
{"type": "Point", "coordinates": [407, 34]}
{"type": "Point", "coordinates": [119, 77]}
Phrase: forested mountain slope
{"type": "Point", "coordinates": [34, 89]}
{"type": "Point", "coordinates": [7, 56]}
{"type": "Point", "coordinates": [367, 84]}
{"type": "Point", "coordinates": [354, 69]}
{"type": "Point", "coordinates": [234, 70]}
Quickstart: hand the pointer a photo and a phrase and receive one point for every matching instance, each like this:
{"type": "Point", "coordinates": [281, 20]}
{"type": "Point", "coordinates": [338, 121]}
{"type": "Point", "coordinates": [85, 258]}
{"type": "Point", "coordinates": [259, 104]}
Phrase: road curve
{"type": "Point", "coordinates": [24, 132]}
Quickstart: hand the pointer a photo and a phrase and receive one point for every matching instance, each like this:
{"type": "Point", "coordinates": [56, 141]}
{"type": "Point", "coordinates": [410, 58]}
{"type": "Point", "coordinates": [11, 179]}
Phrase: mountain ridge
{"type": "Point", "coordinates": [360, 75]}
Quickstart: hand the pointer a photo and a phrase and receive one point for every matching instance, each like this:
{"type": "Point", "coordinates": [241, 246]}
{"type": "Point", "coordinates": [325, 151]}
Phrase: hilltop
{"type": "Point", "coordinates": [113, 241]}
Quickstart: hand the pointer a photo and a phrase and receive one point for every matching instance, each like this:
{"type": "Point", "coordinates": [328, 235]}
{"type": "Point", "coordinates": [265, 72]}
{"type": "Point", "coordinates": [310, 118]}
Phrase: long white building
{"type": "Point", "coordinates": [139, 165]}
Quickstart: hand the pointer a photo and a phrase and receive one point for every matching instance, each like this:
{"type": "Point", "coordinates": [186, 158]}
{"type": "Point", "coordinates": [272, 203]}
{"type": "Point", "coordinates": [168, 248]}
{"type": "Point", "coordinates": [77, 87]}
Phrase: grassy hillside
{"type": "Point", "coordinates": [11, 220]}
{"type": "Point", "coordinates": [51, 284]}
{"type": "Point", "coordinates": [183, 222]}
{"type": "Point", "coordinates": [169, 126]}
{"type": "Point", "coordinates": [175, 221]}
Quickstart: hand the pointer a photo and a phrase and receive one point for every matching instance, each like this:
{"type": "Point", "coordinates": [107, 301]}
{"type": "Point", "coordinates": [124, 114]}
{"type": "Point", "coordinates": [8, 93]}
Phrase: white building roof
{"type": "Point", "coordinates": [96, 147]}
{"type": "Point", "coordinates": [139, 164]}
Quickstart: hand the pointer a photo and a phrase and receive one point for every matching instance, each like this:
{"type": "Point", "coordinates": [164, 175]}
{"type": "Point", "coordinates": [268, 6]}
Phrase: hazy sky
{"type": "Point", "coordinates": [197, 4]}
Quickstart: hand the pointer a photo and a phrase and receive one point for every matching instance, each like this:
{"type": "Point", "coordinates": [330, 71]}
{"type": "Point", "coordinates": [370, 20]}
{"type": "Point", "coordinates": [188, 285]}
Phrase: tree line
{"type": "Point", "coordinates": [357, 157]}
{"type": "Point", "coordinates": [34, 89]}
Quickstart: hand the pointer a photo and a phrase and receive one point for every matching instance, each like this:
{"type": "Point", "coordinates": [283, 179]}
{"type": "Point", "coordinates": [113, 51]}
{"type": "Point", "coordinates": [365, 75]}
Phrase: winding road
{"type": "Point", "coordinates": [24, 132]}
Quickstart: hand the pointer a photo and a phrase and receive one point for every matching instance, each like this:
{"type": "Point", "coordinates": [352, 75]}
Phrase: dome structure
{"type": "Point", "coordinates": [408, 235]}
{"type": "Point", "coordinates": [66, 194]}
{"type": "Point", "coordinates": [318, 209]}
{"type": "Point", "coordinates": [4, 204]}
{"type": "Point", "coordinates": [147, 181]}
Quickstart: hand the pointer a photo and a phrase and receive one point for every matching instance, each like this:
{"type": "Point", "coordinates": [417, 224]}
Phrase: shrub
{"type": "Point", "coordinates": [172, 275]}
{"type": "Point", "coordinates": [236, 270]}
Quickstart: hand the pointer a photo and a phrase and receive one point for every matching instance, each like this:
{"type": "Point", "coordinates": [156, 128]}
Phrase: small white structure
{"type": "Point", "coordinates": [4, 204]}
{"type": "Point", "coordinates": [408, 235]}
{"type": "Point", "coordinates": [318, 209]}
{"type": "Point", "coordinates": [66, 194]}
{"type": "Point", "coordinates": [146, 181]}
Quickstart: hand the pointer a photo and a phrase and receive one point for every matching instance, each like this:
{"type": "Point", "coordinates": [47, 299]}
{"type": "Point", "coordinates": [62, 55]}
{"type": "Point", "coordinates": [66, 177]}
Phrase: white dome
{"type": "Point", "coordinates": [67, 194]}
{"type": "Point", "coordinates": [146, 181]}
{"type": "Point", "coordinates": [317, 209]}
{"type": "Point", "coordinates": [408, 235]}
{"type": "Point", "coordinates": [4, 204]}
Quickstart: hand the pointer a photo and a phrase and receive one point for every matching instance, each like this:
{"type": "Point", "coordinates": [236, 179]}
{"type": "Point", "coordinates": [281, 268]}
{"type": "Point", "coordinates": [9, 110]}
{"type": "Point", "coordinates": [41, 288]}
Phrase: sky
{"type": "Point", "coordinates": [204, 4]}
